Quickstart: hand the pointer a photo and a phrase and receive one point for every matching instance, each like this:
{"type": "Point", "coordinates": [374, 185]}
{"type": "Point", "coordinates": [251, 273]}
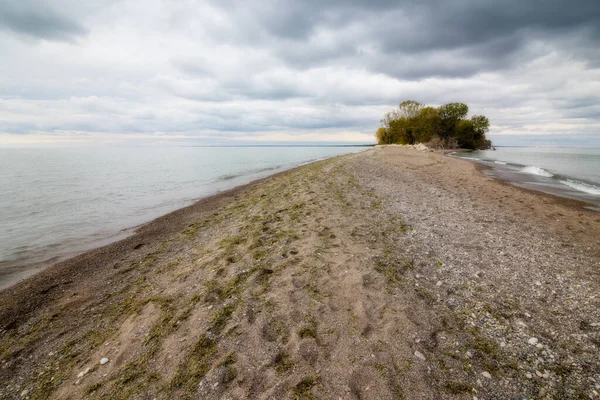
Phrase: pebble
{"type": "Point", "coordinates": [528, 375]}
{"type": "Point", "coordinates": [469, 354]}
{"type": "Point", "coordinates": [419, 355]}
{"type": "Point", "coordinates": [486, 375]}
{"type": "Point", "coordinates": [532, 341]}
{"type": "Point", "coordinates": [438, 283]}
{"type": "Point", "coordinates": [82, 373]}
{"type": "Point", "coordinates": [103, 361]}
{"type": "Point", "coordinates": [538, 373]}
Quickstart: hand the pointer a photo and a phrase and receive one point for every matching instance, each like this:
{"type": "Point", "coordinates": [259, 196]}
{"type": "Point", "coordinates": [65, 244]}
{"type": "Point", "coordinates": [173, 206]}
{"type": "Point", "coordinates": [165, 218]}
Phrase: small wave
{"type": "Point", "coordinates": [471, 158]}
{"type": "Point", "coordinates": [536, 171]}
{"type": "Point", "coordinates": [500, 162]}
{"type": "Point", "coordinates": [229, 177]}
{"type": "Point", "coordinates": [582, 187]}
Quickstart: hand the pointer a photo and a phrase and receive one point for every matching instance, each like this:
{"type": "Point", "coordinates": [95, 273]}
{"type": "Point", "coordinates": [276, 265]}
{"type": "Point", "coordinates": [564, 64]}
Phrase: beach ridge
{"type": "Point", "coordinates": [390, 273]}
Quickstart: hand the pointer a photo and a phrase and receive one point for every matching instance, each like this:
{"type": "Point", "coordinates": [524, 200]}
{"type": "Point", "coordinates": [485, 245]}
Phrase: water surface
{"type": "Point", "coordinates": [568, 172]}
{"type": "Point", "coordinates": [55, 203]}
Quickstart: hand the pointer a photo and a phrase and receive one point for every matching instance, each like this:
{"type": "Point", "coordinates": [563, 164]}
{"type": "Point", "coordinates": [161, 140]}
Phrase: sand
{"type": "Point", "coordinates": [388, 274]}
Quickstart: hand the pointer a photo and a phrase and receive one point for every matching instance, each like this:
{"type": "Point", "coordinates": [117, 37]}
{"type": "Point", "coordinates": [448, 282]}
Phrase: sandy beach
{"type": "Point", "coordinates": [387, 274]}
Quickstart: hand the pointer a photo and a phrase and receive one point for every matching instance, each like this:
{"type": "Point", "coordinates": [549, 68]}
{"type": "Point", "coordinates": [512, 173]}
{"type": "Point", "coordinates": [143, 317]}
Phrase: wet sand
{"type": "Point", "coordinates": [390, 273]}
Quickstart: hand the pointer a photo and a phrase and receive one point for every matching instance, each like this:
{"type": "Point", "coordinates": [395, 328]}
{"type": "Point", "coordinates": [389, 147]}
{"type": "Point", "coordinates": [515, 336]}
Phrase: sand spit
{"type": "Point", "coordinates": [387, 274]}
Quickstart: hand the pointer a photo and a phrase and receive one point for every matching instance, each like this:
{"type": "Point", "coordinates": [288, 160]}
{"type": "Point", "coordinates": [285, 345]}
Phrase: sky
{"type": "Point", "coordinates": [230, 71]}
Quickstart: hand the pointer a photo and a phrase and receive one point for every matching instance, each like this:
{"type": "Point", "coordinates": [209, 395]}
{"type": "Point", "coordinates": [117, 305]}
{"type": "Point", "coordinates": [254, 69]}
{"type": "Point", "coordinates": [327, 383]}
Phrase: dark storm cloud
{"type": "Point", "coordinates": [485, 35]}
{"type": "Point", "coordinates": [38, 20]}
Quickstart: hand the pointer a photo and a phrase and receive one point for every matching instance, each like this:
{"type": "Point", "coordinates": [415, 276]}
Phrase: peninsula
{"type": "Point", "coordinates": [392, 273]}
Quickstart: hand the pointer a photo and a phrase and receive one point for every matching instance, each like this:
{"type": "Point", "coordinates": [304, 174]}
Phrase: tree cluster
{"type": "Point", "coordinates": [446, 126]}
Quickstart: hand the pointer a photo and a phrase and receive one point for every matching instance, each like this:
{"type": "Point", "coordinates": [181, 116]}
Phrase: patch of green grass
{"type": "Point", "coordinates": [456, 388]}
{"type": "Point", "coordinates": [170, 266]}
{"type": "Point", "coordinates": [393, 270]}
{"type": "Point", "coordinates": [296, 211]}
{"type": "Point", "coordinates": [229, 373]}
{"type": "Point", "coordinates": [303, 390]}
{"type": "Point", "coordinates": [190, 231]}
{"type": "Point", "coordinates": [282, 362]}
{"type": "Point", "coordinates": [426, 295]}
{"type": "Point", "coordinates": [220, 319]}
{"type": "Point", "coordinates": [259, 254]}
{"type": "Point", "coordinates": [485, 345]}
{"type": "Point", "coordinates": [309, 330]}
{"type": "Point", "coordinates": [196, 365]}
{"type": "Point", "coordinates": [92, 388]}
{"type": "Point", "coordinates": [232, 241]}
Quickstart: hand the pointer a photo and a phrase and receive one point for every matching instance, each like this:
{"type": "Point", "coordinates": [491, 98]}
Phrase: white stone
{"type": "Point", "coordinates": [486, 375]}
{"type": "Point", "coordinates": [82, 373]}
{"type": "Point", "coordinates": [103, 361]}
{"type": "Point", "coordinates": [532, 341]}
{"type": "Point", "coordinates": [419, 355]}
{"type": "Point", "coordinates": [528, 375]}
{"type": "Point", "coordinates": [538, 373]}
{"type": "Point", "coordinates": [438, 284]}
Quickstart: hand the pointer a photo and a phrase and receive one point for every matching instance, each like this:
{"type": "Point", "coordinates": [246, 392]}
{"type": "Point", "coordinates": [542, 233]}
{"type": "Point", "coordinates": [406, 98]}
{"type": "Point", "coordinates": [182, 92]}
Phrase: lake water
{"type": "Point", "coordinates": [56, 203]}
{"type": "Point", "coordinates": [564, 171]}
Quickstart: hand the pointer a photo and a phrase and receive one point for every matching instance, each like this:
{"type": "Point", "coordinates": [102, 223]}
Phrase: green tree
{"type": "Point", "coordinates": [480, 124]}
{"type": "Point", "coordinates": [427, 124]}
{"type": "Point", "coordinates": [410, 108]}
{"type": "Point", "coordinates": [450, 114]}
{"type": "Point", "coordinates": [447, 126]}
{"type": "Point", "coordinates": [383, 136]}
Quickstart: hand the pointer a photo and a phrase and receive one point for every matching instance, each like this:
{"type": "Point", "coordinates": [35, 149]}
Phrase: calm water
{"type": "Point", "coordinates": [568, 172]}
{"type": "Point", "coordinates": [55, 203]}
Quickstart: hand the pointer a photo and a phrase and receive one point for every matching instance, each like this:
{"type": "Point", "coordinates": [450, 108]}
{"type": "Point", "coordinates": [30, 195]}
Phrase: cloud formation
{"type": "Point", "coordinates": [211, 71]}
{"type": "Point", "coordinates": [38, 20]}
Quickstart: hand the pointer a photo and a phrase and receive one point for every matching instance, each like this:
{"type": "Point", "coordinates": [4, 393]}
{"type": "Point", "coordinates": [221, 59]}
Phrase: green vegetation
{"type": "Point", "coordinates": [444, 127]}
{"type": "Point", "coordinates": [303, 388]}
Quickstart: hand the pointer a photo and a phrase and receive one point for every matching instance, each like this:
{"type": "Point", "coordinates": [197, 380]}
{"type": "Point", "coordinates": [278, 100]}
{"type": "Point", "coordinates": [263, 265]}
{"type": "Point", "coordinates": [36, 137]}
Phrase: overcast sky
{"type": "Point", "coordinates": [193, 72]}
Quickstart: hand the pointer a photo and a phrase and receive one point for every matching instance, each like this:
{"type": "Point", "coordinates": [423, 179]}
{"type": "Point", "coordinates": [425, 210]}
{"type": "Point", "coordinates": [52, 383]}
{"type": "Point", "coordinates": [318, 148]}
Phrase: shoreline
{"type": "Point", "coordinates": [553, 184]}
{"type": "Point", "coordinates": [17, 273]}
{"type": "Point", "coordinates": [129, 232]}
{"type": "Point", "coordinates": [153, 229]}
{"type": "Point", "coordinates": [389, 270]}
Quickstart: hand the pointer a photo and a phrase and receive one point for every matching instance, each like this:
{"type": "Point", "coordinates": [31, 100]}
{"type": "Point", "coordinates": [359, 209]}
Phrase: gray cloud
{"type": "Point", "coordinates": [36, 19]}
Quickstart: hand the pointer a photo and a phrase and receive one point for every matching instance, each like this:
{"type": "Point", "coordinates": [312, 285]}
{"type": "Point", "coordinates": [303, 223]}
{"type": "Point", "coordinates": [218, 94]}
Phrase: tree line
{"type": "Point", "coordinates": [446, 126]}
